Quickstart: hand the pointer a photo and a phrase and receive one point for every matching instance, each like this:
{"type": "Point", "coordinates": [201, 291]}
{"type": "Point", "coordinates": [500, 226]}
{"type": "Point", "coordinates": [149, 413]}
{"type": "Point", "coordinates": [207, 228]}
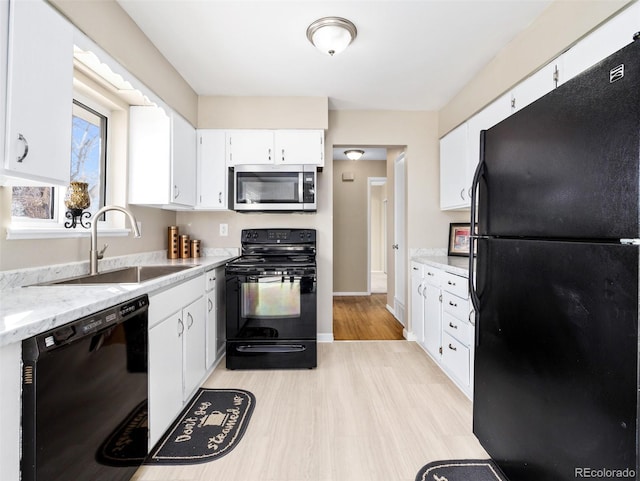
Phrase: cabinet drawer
{"type": "Point", "coordinates": [461, 330]}
{"type": "Point", "coordinates": [210, 280]}
{"type": "Point", "coordinates": [456, 306]}
{"type": "Point", "coordinates": [457, 285]}
{"type": "Point", "coordinates": [455, 357]}
{"type": "Point", "coordinates": [432, 275]}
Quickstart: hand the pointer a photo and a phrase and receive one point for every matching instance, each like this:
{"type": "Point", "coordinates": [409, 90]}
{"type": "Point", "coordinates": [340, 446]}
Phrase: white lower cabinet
{"type": "Point", "coordinates": [176, 351]}
{"type": "Point", "coordinates": [215, 293]}
{"type": "Point", "coordinates": [441, 313]}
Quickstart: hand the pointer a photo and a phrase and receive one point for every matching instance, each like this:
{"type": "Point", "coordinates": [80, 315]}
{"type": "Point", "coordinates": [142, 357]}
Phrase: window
{"type": "Point", "coordinates": [88, 164]}
{"type": "Point", "coordinates": [89, 153]}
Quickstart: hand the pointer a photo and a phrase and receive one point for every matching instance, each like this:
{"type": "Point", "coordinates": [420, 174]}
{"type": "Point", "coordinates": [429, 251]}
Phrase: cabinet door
{"type": "Point", "coordinates": [183, 162]}
{"type": "Point", "coordinates": [211, 320]}
{"type": "Point", "coordinates": [417, 303]}
{"type": "Point", "coordinates": [485, 119]}
{"type": "Point", "coordinates": [149, 156]}
{"type": "Point", "coordinates": [453, 169]}
{"type": "Point", "coordinates": [601, 43]}
{"type": "Point", "coordinates": [194, 345]}
{"type": "Point", "coordinates": [165, 375]}
{"type": "Point", "coordinates": [213, 174]}
{"type": "Point", "coordinates": [250, 147]}
{"type": "Point", "coordinates": [534, 87]}
{"type": "Point", "coordinates": [432, 319]}
{"type": "Point", "coordinates": [299, 147]}
{"type": "Point", "coordinates": [221, 312]}
{"type": "Point", "coordinates": [39, 99]}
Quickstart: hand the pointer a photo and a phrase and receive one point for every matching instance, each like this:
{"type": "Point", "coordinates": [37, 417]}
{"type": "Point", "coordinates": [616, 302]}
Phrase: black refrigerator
{"type": "Point", "coordinates": [556, 280]}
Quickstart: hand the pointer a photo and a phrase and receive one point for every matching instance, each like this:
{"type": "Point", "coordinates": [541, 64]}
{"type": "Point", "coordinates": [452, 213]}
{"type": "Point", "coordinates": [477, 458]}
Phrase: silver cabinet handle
{"type": "Point", "coordinates": [282, 155]}
{"type": "Point", "coordinates": [452, 304]}
{"type": "Point", "coordinates": [26, 148]}
{"type": "Point", "coordinates": [219, 197]}
{"type": "Point", "coordinates": [430, 274]}
{"type": "Point", "coordinates": [180, 327]}
{"type": "Point", "coordinates": [452, 325]}
{"type": "Point", "coordinates": [269, 154]}
{"type": "Point", "coordinates": [451, 283]}
{"type": "Point", "coordinates": [395, 246]}
{"type": "Point", "coordinates": [453, 348]}
{"type": "Point", "coordinates": [462, 194]}
{"type": "Point", "coordinates": [469, 192]}
{"type": "Point", "coordinates": [176, 192]}
{"type": "Point", "coordinates": [210, 305]}
{"type": "Point", "coordinates": [420, 289]}
{"type": "Point", "coordinates": [190, 320]}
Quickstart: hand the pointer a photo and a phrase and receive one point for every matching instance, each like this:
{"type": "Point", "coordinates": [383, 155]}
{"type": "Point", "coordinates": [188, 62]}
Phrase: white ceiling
{"type": "Point", "coordinates": [409, 54]}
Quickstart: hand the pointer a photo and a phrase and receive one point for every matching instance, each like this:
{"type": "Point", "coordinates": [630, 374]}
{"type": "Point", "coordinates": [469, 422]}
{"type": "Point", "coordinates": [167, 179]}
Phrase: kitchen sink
{"type": "Point", "coordinates": [126, 275]}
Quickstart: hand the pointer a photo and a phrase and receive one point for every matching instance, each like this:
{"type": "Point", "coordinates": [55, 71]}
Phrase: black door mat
{"type": "Point", "coordinates": [461, 470]}
{"type": "Point", "coordinates": [208, 428]}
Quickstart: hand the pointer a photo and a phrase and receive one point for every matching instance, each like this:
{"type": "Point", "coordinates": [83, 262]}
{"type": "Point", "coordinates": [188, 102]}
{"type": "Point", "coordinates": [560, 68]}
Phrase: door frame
{"type": "Point", "coordinates": [372, 182]}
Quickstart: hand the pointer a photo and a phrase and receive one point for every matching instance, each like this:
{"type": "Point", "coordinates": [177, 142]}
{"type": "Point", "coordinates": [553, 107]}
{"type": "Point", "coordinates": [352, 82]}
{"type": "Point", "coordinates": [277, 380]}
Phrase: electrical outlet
{"type": "Point", "coordinates": [224, 230]}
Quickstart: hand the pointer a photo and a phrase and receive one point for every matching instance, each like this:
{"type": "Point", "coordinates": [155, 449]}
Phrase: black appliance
{"type": "Point", "coordinates": [556, 289]}
{"type": "Point", "coordinates": [264, 188]}
{"type": "Point", "coordinates": [271, 300]}
{"type": "Point", "coordinates": [84, 395]}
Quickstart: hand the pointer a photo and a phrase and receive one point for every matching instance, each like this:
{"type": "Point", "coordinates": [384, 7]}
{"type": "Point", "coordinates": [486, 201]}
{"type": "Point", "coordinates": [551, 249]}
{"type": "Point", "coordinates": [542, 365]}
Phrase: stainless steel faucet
{"type": "Point", "coordinates": [94, 255]}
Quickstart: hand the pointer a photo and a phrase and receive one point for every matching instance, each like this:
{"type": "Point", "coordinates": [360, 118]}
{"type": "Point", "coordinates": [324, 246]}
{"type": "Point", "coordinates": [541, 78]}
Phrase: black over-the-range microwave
{"type": "Point", "coordinates": [264, 188]}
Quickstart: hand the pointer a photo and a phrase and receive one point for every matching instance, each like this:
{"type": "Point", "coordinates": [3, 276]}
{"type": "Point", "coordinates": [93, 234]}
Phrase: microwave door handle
{"type": "Point", "coordinates": [300, 187]}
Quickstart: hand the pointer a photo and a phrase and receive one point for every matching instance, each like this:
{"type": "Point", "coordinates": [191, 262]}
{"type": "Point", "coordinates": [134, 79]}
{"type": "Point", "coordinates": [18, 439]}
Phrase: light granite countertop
{"type": "Point", "coordinates": [452, 264]}
{"type": "Point", "coordinates": [28, 311]}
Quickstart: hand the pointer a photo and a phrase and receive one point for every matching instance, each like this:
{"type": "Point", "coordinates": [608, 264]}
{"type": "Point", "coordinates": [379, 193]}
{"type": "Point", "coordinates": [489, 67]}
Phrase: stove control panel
{"type": "Point", "coordinates": [278, 236]}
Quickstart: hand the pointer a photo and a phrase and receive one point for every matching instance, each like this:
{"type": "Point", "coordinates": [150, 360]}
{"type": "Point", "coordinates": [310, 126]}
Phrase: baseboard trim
{"type": "Point", "coordinates": [325, 337]}
{"type": "Point", "coordinates": [409, 336]}
{"type": "Point", "coordinates": [351, 294]}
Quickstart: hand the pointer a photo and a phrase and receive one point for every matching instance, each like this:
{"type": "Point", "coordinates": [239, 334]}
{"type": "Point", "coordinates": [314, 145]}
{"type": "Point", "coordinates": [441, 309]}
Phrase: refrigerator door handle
{"type": "Point", "coordinates": [474, 194]}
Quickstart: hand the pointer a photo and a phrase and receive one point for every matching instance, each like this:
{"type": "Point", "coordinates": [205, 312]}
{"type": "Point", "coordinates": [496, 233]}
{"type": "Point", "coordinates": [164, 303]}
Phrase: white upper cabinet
{"type": "Point", "coordinates": [183, 162]}
{"type": "Point", "coordinates": [601, 43]}
{"type": "Point", "coordinates": [537, 85]}
{"type": "Point", "coordinates": [213, 173]}
{"type": "Point", "coordinates": [39, 94]}
{"type": "Point", "coordinates": [250, 147]}
{"type": "Point", "coordinates": [300, 147]}
{"type": "Point", "coordinates": [453, 169]}
{"type": "Point", "coordinates": [247, 147]}
{"type": "Point", "coordinates": [162, 159]}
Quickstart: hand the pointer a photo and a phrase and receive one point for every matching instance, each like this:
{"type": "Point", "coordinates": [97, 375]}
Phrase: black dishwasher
{"type": "Point", "coordinates": [84, 397]}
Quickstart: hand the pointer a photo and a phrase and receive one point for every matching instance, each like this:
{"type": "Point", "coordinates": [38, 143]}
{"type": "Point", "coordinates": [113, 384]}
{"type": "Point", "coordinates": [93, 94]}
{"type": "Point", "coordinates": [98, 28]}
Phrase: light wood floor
{"type": "Point", "coordinates": [364, 318]}
{"type": "Point", "coordinates": [370, 411]}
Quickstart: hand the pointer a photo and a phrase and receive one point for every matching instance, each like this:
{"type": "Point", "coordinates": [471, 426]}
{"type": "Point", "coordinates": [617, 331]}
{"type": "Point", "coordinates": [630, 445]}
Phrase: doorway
{"type": "Point", "coordinates": [363, 230]}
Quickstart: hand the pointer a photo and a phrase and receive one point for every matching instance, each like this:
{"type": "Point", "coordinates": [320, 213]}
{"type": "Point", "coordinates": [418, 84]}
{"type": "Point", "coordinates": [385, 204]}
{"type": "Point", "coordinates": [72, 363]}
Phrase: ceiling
{"type": "Point", "coordinates": [408, 55]}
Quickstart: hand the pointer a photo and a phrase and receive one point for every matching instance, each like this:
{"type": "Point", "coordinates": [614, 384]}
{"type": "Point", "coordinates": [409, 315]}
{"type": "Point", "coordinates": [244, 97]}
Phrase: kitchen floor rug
{"type": "Point", "coordinates": [209, 427]}
{"type": "Point", "coordinates": [461, 470]}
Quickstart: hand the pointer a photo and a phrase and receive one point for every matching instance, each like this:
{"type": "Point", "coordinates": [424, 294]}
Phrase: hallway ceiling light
{"type": "Point", "coordinates": [331, 35]}
{"type": "Point", "coordinates": [354, 154]}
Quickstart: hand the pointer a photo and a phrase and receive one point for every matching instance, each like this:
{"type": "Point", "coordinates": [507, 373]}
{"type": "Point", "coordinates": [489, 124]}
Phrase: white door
{"type": "Point", "coordinates": [398, 239]}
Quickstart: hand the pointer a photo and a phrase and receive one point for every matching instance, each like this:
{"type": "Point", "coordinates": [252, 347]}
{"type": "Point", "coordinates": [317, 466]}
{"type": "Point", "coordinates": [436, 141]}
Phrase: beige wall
{"type": "Point", "coordinates": [350, 222]}
{"type": "Point", "coordinates": [558, 28]}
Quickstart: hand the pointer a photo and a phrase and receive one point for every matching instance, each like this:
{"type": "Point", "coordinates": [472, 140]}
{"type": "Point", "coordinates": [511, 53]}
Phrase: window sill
{"type": "Point", "coordinates": [20, 233]}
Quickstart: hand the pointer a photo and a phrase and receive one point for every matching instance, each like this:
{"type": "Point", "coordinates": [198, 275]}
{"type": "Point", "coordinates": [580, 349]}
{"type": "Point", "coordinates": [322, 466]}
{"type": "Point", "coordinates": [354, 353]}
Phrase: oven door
{"type": "Point", "coordinates": [274, 188]}
{"type": "Point", "coordinates": [271, 321]}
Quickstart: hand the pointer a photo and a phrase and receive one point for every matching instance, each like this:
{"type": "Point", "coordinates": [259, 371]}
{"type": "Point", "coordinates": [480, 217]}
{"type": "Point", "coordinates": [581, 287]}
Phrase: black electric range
{"type": "Point", "coordinates": [271, 300]}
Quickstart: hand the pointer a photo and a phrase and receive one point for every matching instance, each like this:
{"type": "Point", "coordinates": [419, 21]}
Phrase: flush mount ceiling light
{"type": "Point", "coordinates": [354, 154]}
{"type": "Point", "coordinates": [331, 35]}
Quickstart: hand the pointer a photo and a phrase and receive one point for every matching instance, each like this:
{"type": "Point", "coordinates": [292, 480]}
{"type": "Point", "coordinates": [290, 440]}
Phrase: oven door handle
{"type": "Point", "coordinates": [266, 348]}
